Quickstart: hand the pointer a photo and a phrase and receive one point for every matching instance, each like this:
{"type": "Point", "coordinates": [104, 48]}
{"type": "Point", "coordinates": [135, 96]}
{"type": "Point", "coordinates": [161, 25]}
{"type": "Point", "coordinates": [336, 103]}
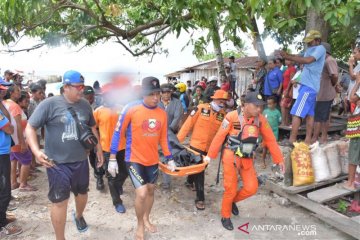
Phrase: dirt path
{"type": "Point", "coordinates": [174, 214]}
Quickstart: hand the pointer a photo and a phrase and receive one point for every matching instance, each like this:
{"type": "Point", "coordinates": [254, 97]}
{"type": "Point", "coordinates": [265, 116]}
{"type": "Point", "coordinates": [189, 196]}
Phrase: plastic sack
{"type": "Point", "coordinates": [288, 176]}
{"type": "Point", "coordinates": [319, 163]}
{"type": "Point", "coordinates": [301, 165]}
{"type": "Point", "coordinates": [332, 156]}
{"type": "Point", "coordinates": [343, 149]}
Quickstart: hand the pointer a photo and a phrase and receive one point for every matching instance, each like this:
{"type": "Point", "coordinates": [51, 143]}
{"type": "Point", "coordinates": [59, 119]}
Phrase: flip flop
{"type": "Point", "coordinates": [200, 205]}
{"type": "Point", "coordinates": [27, 188]}
{"type": "Point", "coordinates": [348, 188]}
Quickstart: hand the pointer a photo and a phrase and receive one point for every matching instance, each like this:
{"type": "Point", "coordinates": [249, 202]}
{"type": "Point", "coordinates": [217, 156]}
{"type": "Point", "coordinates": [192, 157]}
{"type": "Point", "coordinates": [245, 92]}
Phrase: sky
{"type": "Point", "coordinates": [110, 56]}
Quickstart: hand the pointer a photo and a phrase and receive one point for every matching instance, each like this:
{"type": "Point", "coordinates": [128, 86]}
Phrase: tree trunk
{"type": "Point", "coordinates": [315, 21]}
{"type": "Point", "coordinates": [257, 42]}
{"type": "Point", "coordinates": [215, 36]}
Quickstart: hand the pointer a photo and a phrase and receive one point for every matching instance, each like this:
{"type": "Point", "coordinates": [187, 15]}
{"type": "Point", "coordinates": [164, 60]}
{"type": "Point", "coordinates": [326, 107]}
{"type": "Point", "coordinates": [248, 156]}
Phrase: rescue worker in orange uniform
{"type": "Point", "coordinates": [204, 121]}
{"type": "Point", "coordinates": [242, 127]}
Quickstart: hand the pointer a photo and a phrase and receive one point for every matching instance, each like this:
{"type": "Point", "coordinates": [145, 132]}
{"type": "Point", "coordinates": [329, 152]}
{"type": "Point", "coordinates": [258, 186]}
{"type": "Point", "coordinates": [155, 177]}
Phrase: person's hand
{"type": "Point", "coordinates": [23, 147]}
{"type": "Point", "coordinates": [113, 167]}
{"type": "Point", "coordinates": [358, 78]}
{"type": "Point", "coordinates": [207, 159]}
{"type": "Point", "coordinates": [282, 167]}
{"type": "Point", "coordinates": [100, 157]}
{"type": "Point", "coordinates": [351, 61]}
{"type": "Point", "coordinates": [43, 159]}
{"type": "Point", "coordinates": [279, 92]}
{"type": "Point", "coordinates": [171, 165]}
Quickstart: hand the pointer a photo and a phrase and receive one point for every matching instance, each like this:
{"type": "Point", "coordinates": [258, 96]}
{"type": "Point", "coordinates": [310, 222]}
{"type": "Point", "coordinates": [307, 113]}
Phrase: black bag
{"type": "Point", "coordinates": [85, 135]}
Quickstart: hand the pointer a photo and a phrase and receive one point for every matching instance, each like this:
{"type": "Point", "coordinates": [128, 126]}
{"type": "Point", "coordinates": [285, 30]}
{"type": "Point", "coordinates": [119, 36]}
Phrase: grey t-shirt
{"type": "Point", "coordinates": [61, 134]}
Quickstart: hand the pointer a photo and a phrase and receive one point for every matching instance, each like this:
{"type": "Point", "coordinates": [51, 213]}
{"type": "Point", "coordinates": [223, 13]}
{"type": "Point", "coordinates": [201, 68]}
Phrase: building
{"type": "Point", "coordinates": [245, 68]}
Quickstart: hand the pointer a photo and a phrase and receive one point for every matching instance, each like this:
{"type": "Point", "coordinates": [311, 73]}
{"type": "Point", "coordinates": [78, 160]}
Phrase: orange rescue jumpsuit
{"type": "Point", "coordinates": [231, 126]}
{"type": "Point", "coordinates": [205, 122]}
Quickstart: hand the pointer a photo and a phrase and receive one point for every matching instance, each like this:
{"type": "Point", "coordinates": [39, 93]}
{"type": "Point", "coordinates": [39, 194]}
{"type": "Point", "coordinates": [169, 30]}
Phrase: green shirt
{"type": "Point", "coordinates": [274, 118]}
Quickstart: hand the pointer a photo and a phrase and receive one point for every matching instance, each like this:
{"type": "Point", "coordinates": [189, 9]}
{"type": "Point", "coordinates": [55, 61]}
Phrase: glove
{"type": "Point", "coordinates": [171, 165]}
{"type": "Point", "coordinates": [207, 159]}
{"type": "Point", "coordinates": [113, 167]}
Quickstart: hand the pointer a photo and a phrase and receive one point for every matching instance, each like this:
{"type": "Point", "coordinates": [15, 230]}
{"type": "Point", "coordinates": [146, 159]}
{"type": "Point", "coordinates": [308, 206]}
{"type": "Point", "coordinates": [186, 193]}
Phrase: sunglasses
{"type": "Point", "coordinates": [78, 87]}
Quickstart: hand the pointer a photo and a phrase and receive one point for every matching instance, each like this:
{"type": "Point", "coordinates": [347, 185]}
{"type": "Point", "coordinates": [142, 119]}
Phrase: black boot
{"type": "Point", "coordinates": [227, 224]}
{"type": "Point", "coordinates": [234, 209]}
{"type": "Point", "coordinates": [99, 184]}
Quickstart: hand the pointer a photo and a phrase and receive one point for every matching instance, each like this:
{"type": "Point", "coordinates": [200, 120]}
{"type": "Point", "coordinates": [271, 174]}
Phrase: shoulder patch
{"type": "Point", "coordinates": [193, 111]}
{"type": "Point", "coordinates": [225, 124]}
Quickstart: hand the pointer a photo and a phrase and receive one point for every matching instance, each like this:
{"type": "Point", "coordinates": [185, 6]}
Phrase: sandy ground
{"type": "Point", "coordinates": [174, 214]}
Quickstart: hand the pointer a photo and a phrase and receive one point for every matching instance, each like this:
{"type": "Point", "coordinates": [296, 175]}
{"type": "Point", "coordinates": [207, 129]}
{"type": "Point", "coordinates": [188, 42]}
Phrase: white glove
{"type": "Point", "coordinates": [171, 165]}
{"type": "Point", "coordinates": [113, 167]}
{"type": "Point", "coordinates": [207, 159]}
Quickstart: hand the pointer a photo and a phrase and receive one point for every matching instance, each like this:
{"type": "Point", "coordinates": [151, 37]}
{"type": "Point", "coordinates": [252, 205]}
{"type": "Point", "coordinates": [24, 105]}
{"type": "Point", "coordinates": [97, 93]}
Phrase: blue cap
{"type": "Point", "coordinates": [72, 76]}
{"type": "Point", "coordinates": [4, 83]}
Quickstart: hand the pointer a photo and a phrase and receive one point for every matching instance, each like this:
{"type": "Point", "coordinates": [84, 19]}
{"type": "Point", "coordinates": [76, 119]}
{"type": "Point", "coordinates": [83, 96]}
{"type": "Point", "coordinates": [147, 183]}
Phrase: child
{"type": "Point", "coordinates": [273, 116]}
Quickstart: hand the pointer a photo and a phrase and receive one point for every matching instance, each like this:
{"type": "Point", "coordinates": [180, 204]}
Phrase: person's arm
{"type": "Point", "coordinates": [219, 138]}
{"type": "Point", "coordinates": [20, 133]}
{"type": "Point", "coordinates": [32, 141]}
{"type": "Point", "coordinates": [188, 125]}
{"type": "Point", "coordinates": [298, 59]}
{"type": "Point", "coordinates": [351, 63]}
{"type": "Point", "coordinates": [99, 152]}
{"type": "Point", "coordinates": [178, 113]}
{"type": "Point", "coordinates": [5, 124]}
{"type": "Point", "coordinates": [121, 126]}
{"type": "Point", "coordinates": [355, 93]}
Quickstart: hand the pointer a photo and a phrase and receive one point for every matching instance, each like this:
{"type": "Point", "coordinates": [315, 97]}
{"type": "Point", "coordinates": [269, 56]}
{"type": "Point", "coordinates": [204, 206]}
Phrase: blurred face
{"type": "Point", "coordinates": [220, 102]}
{"type": "Point", "coordinates": [271, 104]}
{"type": "Point", "coordinates": [314, 42]}
{"type": "Point", "coordinates": [289, 63]}
{"type": "Point", "coordinates": [252, 110]}
{"type": "Point", "coordinates": [38, 95]}
{"type": "Point", "coordinates": [356, 53]}
{"type": "Point", "coordinates": [259, 64]}
{"type": "Point", "coordinates": [2, 94]}
{"type": "Point", "coordinates": [271, 65]}
{"type": "Point", "coordinates": [16, 94]}
{"type": "Point", "coordinates": [152, 99]}
{"type": "Point", "coordinates": [166, 95]}
{"type": "Point", "coordinates": [278, 63]}
{"type": "Point", "coordinates": [198, 91]}
{"type": "Point", "coordinates": [8, 76]}
{"type": "Point", "coordinates": [24, 104]}
{"type": "Point", "coordinates": [90, 98]}
{"type": "Point", "coordinates": [74, 92]}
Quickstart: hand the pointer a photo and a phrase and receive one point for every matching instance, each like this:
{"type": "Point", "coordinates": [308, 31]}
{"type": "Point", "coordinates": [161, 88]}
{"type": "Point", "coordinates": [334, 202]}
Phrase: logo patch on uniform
{"type": "Point", "coordinates": [225, 124]}
{"type": "Point", "coordinates": [205, 112]}
{"type": "Point", "coordinates": [151, 125]}
{"type": "Point", "coordinates": [220, 117]}
{"type": "Point", "coordinates": [192, 112]}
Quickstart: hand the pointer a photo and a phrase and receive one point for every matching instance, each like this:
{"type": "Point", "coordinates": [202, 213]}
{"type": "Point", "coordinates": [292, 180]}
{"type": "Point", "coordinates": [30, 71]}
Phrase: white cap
{"type": "Point", "coordinates": [213, 78]}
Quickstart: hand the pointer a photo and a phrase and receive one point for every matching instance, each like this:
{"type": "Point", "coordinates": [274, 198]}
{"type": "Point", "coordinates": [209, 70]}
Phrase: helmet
{"type": "Point", "coordinates": [181, 87]}
{"type": "Point", "coordinates": [202, 85]}
{"type": "Point", "coordinates": [213, 78]}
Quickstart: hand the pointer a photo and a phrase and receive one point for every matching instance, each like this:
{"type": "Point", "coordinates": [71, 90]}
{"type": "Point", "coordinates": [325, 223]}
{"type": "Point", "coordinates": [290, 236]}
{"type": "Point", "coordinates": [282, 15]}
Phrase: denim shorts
{"type": "Point", "coordinates": [68, 177]}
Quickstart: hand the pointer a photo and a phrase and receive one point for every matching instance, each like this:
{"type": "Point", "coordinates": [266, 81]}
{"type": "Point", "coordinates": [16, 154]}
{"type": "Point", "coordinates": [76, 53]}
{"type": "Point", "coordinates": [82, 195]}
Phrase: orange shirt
{"type": "Point", "coordinates": [231, 126]}
{"type": "Point", "coordinates": [106, 120]}
{"type": "Point", "coordinates": [204, 123]}
{"type": "Point", "coordinates": [145, 129]}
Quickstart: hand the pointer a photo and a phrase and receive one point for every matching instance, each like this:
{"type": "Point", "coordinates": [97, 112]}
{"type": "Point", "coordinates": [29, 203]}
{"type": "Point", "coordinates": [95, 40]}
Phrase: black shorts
{"type": "Point", "coordinates": [141, 175]}
{"type": "Point", "coordinates": [67, 177]}
{"type": "Point", "coordinates": [322, 111]}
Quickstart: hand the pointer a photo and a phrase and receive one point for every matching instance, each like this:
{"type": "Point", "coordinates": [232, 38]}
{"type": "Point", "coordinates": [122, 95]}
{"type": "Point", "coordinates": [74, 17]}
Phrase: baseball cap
{"type": "Point", "coordinates": [327, 47]}
{"type": "Point", "coordinates": [3, 84]}
{"type": "Point", "coordinates": [34, 87]}
{"type": "Point", "coordinates": [166, 87]}
{"type": "Point", "coordinates": [88, 90]}
{"type": "Point", "coordinates": [72, 76]}
{"type": "Point", "coordinates": [150, 85]}
{"type": "Point", "coordinates": [213, 78]}
{"type": "Point", "coordinates": [220, 94]}
{"type": "Point", "coordinates": [255, 98]}
{"type": "Point", "coordinates": [311, 35]}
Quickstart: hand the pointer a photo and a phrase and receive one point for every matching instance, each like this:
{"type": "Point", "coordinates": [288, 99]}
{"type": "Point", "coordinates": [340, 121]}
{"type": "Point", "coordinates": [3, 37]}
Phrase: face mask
{"type": "Point", "coordinates": [216, 107]}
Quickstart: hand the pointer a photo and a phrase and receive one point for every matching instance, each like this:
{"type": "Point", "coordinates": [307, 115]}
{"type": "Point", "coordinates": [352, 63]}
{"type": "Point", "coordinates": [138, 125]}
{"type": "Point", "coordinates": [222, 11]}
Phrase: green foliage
{"type": "Point", "coordinates": [226, 54]}
{"type": "Point", "coordinates": [342, 206]}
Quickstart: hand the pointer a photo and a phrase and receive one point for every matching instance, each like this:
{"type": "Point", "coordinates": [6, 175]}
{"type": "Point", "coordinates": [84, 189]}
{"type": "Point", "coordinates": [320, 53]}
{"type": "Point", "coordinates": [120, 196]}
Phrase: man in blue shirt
{"type": "Point", "coordinates": [273, 80]}
{"type": "Point", "coordinates": [304, 107]}
{"type": "Point", "coordinates": [6, 129]}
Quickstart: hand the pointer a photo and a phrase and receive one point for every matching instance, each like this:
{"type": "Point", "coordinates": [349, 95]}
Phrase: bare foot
{"type": "Point", "coordinates": [150, 227]}
{"type": "Point", "coordinates": [140, 232]}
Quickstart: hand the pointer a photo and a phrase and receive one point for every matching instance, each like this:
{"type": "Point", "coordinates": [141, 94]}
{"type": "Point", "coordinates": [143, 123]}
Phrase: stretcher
{"type": "Point", "coordinates": [184, 171]}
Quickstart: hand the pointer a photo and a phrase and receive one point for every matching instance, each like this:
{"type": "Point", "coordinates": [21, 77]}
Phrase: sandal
{"type": "Point", "coordinates": [15, 186]}
{"type": "Point", "coordinates": [348, 188]}
{"type": "Point", "coordinates": [200, 205]}
{"type": "Point", "coordinates": [11, 229]}
{"type": "Point", "coordinates": [27, 188]}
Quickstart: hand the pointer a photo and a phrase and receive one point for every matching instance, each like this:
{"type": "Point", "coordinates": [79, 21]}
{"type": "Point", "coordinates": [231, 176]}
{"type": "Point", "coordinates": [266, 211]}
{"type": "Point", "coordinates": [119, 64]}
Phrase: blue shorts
{"type": "Point", "coordinates": [141, 175]}
{"type": "Point", "coordinates": [305, 102]}
{"type": "Point", "coordinates": [67, 177]}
